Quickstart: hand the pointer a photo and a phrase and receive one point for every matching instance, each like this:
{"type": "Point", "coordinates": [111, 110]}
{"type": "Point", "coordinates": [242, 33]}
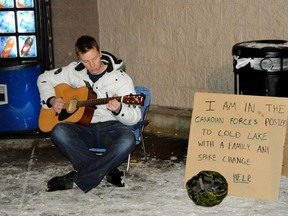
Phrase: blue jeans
{"type": "Point", "coordinates": [74, 142]}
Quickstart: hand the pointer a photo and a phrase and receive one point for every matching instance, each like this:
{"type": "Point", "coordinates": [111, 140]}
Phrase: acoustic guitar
{"type": "Point", "coordinates": [80, 105]}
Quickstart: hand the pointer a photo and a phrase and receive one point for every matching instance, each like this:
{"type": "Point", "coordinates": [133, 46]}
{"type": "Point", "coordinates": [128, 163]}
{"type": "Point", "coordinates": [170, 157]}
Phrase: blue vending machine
{"type": "Point", "coordinates": [19, 98]}
{"type": "Point", "coordinates": [26, 50]}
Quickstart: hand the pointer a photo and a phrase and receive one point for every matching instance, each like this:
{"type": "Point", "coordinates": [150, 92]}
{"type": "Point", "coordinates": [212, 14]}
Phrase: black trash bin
{"type": "Point", "coordinates": [261, 68]}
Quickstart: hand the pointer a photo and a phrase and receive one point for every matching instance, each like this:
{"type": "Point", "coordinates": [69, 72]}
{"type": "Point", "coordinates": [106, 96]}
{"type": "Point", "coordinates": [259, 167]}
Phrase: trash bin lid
{"type": "Point", "coordinates": [261, 49]}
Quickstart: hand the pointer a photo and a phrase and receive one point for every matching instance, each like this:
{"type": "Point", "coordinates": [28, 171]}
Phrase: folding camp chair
{"type": "Point", "coordinates": [137, 128]}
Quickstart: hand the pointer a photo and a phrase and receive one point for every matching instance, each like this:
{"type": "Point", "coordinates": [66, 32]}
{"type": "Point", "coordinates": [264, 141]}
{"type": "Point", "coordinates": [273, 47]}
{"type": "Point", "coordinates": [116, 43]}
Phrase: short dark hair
{"type": "Point", "coordinates": [85, 43]}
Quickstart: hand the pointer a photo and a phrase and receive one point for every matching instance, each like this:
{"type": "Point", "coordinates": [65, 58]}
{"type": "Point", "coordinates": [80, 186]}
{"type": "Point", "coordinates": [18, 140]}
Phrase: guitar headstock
{"type": "Point", "coordinates": [134, 99]}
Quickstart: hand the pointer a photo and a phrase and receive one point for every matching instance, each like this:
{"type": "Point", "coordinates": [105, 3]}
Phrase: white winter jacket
{"type": "Point", "coordinates": [114, 82]}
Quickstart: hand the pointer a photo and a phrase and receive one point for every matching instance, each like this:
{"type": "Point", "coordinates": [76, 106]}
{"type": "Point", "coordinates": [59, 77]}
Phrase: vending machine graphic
{"type": "Point", "coordinates": [26, 50]}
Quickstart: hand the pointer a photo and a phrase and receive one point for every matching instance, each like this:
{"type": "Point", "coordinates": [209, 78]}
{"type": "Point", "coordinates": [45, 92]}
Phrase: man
{"type": "Point", "coordinates": [104, 74]}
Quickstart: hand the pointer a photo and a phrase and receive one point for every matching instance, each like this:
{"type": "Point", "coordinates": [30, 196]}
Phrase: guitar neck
{"type": "Point", "coordinates": [94, 102]}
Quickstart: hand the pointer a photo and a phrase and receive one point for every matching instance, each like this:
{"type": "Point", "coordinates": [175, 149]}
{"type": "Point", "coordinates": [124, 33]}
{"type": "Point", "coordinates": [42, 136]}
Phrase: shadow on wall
{"type": "Point", "coordinates": [221, 80]}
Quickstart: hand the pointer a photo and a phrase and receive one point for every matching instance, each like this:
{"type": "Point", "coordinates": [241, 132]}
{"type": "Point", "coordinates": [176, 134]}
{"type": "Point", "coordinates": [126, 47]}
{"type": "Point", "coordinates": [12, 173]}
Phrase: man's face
{"type": "Point", "coordinates": [91, 60]}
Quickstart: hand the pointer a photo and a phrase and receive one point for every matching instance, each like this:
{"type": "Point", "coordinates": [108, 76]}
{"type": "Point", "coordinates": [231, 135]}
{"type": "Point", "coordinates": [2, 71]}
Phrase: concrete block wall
{"type": "Point", "coordinates": [179, 47]}
{"type": "Point", "coordinates": [70, 20]}
{"type": "Point", "coordinates": [174, 47]}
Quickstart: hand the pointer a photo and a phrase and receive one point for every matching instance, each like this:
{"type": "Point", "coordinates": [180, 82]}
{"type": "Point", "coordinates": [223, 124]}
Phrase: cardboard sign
{"type": "Point", "coordinates": [241, 137]}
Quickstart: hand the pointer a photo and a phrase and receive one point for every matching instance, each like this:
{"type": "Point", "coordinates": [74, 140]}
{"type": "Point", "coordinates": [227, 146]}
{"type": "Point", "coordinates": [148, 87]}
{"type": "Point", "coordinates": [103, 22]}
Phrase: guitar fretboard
{"type": "Point", "coordinates": [94, 102]}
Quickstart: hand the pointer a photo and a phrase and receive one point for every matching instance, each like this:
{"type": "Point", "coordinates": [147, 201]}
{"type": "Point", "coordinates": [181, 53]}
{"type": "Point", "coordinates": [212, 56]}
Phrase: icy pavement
{"type": "Point", "coordinates": [152, 188]}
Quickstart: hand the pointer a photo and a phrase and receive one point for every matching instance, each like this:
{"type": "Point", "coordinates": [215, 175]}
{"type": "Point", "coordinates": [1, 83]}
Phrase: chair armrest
{"type": "Point", "coordinates": [139, 125]}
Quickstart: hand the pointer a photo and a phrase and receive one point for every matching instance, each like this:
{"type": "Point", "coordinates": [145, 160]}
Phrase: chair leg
{"type": "Point", "coordinates": [128, 163]}
{"type": "Point", "coordinates": [143, 145]}
{"type": "Point", "coordinates": [129, 157]}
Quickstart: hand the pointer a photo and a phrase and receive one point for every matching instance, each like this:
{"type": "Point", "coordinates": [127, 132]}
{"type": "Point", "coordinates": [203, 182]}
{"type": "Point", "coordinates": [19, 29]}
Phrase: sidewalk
{"type": "Point", "coordinates": [152, 188]}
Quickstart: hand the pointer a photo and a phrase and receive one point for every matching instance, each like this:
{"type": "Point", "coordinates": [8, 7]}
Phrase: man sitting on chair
{"type": "Point", "coordinates": [104, 74]}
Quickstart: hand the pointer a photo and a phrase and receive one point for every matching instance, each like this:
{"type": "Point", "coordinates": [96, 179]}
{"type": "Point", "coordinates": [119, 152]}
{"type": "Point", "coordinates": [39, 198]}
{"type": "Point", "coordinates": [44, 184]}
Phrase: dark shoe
{"type": "Point", "coordinates": [116, 178]}
{"type": "Point", "coordinates": [61, 182]}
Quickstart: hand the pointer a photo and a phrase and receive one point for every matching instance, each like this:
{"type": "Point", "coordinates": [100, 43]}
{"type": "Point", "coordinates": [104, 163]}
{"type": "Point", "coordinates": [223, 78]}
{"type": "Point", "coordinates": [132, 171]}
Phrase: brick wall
{"type": "Point", "coordinates": [178, 47]}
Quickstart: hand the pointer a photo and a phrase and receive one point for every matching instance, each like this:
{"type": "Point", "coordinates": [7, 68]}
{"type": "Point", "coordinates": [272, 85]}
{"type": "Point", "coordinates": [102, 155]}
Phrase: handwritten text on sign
{"type": "Point", "coordinates": [241, 137]}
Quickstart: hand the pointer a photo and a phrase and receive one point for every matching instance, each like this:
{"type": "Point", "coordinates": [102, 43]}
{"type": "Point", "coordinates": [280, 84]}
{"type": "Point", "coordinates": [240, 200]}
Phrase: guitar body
{"type": "Point", "coordinates": [83, 115]}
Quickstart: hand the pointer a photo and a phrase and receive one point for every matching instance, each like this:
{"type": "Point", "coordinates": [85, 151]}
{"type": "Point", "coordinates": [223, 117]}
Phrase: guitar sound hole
{"type": "Point", "coordinates": [64, 115]}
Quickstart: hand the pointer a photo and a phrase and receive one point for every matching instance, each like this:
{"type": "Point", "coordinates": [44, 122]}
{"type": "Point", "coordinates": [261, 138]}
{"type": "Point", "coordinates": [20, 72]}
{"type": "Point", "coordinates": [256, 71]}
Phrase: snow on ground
{"type": "Point", "coordinates": [152, 188]}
